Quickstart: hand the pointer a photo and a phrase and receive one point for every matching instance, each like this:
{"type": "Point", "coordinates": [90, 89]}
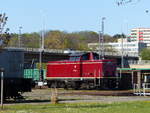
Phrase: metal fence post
{"type": "Point", "coordinates": [2, 86]}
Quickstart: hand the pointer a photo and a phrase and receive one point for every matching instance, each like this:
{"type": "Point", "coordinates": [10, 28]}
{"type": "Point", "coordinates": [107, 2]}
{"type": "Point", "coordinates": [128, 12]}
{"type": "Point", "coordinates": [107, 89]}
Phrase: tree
{"type": "Point", "coordinates": [4, 35]}
{"type": "Point", "coordinates": [72, 41]}
{"type": "Point", "coordinates": [30, 40]}
{"type": "Point", "coordinates": [60, 40]}
{"type": "Point", "coordinates": [145, 54]}
{"type": "Point", "coordinates": [118, 36]}
{"type": "Point", "coordinates": [54, 40]}
{"type": "Point", "coordinates": [88, 36]}
{"type": "Point", "coordinates": [13, 42]}
{"type": "Point", "coordinates": [108, 38]}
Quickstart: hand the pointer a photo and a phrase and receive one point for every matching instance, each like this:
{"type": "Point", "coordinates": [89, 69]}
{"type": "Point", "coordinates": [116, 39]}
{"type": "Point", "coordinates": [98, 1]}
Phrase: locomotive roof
{"type": "Point", "coordinates": [79, 54]}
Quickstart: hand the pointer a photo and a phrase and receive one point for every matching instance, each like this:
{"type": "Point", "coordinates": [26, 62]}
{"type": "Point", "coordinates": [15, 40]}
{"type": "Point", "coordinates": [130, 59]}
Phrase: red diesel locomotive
{"type": "Point", "coordinates": [84, 70]}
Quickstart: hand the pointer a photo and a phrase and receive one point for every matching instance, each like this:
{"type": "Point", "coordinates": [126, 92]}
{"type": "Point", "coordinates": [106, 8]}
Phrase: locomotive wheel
{"type": "Point", "coordinates": [54, 85]}
{"type": "Point", "coordinates": [76, 85]}
{"type": "Point", "coordinates": [111, 84]}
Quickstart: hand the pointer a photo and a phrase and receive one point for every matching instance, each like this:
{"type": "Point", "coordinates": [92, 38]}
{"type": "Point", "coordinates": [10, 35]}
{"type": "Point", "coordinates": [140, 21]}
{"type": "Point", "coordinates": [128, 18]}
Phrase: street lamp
{"type": "Point", "coordinates": [122, 52]}
{"type": "Point", "coordinates": [101, 39]}
{"type": "Point", "coordinates": [40, 57]}
{"type": "Point", "coordinates": [19, 37]}
{"type": "Point", "coordinates": [41, 47]}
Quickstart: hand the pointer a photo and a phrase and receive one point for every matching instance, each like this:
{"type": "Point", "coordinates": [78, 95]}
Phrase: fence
{"type": "Point", "coordinates": [144, 90]}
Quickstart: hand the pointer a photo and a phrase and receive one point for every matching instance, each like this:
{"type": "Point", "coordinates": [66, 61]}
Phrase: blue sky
{"type": "Point", "coordinates": [75, 15]}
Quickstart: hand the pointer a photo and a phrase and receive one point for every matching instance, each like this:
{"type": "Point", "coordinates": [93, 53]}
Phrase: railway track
{"type": "Point", "coordinates": [102, 93]}
{"type": "Point", "coordinates": [72, 96]}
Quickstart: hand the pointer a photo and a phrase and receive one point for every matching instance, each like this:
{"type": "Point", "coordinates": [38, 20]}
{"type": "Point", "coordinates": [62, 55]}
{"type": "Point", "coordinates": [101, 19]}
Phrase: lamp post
{"type": "Point", "coordinates": [100, 52]}
{"type": "Point", "coordinates": [19, 37]}
{"type": "Point", "coordinates": [42, 46]}
{"type": "Point", "coordinates": [122, 52]}
{"type": "Point", "coordinates": [101, 39]}
{"type": "Point", "coordinates": [41, 51]}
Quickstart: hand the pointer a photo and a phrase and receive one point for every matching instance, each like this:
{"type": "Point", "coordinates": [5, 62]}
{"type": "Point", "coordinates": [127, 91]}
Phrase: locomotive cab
{"type": "Point", "coordinates": [82, 69]}
{"type": "Point", "coordinates": [84, 56]}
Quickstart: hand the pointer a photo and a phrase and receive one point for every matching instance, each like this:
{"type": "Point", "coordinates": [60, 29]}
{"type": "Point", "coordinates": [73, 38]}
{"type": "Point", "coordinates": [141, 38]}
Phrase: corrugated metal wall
{"type": "Point", "coordinates": [34, 74]}
{"type": "Point", "coordinates": [12, 61]}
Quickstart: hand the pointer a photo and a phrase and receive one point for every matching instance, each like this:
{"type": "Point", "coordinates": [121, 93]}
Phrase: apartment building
{"type": "Point", "coordinates": [140, 35]}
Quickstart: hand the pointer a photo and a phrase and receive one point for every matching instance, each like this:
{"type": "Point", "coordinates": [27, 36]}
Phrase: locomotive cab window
{"type": "Point", "coordinates": [95, 56]}
{"type": "Point", "coordinates": [85, 57]}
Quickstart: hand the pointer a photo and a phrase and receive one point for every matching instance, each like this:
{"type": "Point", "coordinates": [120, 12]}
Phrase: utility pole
{"type": "Point", "coordinates": [42, 47]}
{"type": "Point", "coordinates": [19, 37]}
{"type": "Point", "coordinates": [122, 52]}
{"type": "Point", "coordinates": [41, 51]}
{"type": "Point", "coordinates": [101, 39]}
{"type": "Point", "coordinates": [100, 51]}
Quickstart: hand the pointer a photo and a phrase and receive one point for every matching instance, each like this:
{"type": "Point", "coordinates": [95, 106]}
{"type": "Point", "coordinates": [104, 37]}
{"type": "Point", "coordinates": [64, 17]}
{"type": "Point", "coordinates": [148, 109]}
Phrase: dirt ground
{"type": "Point", "coordinates": [43, 95]}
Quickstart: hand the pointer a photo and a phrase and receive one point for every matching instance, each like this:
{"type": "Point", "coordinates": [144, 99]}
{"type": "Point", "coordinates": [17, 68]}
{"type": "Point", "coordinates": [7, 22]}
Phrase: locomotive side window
{"type": "Point", "coordinates": [95, 56]}
{"type": "Point", "coordinates": [74, 58]}
{"type": "Point", "coordinates": [85, 57]}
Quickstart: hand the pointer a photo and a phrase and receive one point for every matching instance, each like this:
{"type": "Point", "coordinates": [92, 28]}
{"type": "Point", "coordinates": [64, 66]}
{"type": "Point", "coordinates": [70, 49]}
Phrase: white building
{"type": "Point", "coordinates": [122, 45]}
{"type": "Point", "coordinates": [140, 35]}
{"type": "Point", "coordinates": [128, 47]}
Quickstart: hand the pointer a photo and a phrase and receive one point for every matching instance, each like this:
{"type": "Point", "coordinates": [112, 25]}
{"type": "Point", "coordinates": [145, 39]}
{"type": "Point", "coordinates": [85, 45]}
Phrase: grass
{"type": "Point", "coordinates": [120, 107]}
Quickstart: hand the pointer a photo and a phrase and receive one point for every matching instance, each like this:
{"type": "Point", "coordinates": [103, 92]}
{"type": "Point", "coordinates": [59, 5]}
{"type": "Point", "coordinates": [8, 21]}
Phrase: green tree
{"type": "Point", "coordinates": [88, 36]}
{"type": "Point", "coordinates": [4, 35]}
{"type": "Point", "coordinates": [60, 40]}
{"type": "Point", "coordinates": [145, 54]}
{"type": "Point", "coordinates": [118, 36]}
{"type": "Point", "coordinates": [30, 40]}
{"type": "Point", "coordinates": [72, 41]}
{"type": "Point", "coordinates": [108, 38]}
{"type": "Point", "coordinates": [55, 40]}
{"type": "Point", "coordinates": [13, 42]}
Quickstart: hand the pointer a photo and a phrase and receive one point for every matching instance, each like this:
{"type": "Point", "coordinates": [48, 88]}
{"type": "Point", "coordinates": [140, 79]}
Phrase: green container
{"type": "Point", "coordinates": [34, 74]}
